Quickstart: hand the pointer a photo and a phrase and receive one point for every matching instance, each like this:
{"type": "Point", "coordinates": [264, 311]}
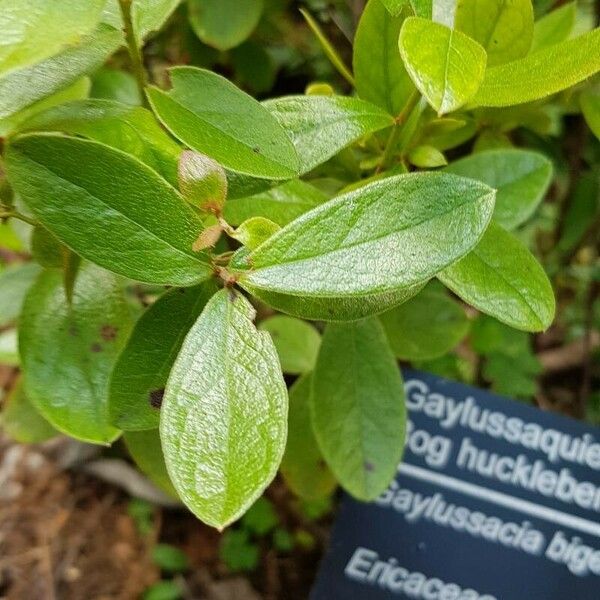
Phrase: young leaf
{"type": "Point", "coordinates": [448, 69]}
{"type": "Point", "coordinates": [21, 420]}
{"type": "Point", "coordinates": [69, 384]}
{"type": "Point", "coordinates": [390, 234]}
{"type": "Point", "coordinates": [15, 282]}
{"type": "Point", "coordinates": [378, 68]}
{"type": "Point", "coordinates": [253, 232]}
{"type": "Point", "coordinates": [321, 126]}
{"type": "Point", "coordinates": [132, 129]}
{"type": "Point", "coordinates": [35, 31]}
{"type": "Point", "coordinates": [146, 451]}
{"type": "Point", "coordinates": [297, 343]}
{"type": "Point", "coordinates": [210, 115]}
{"type": "Point", "coordinates": [202, 181]}
{"type": "Point", "coordinates": [281, 205]}
{"type": "Point", "coordinates": [104, 204]}
{"type": "Point", "coordinates": [357, 407]}
{"type": "Point", "coordinates": [502, 278]}
{"type": "Point", "coordinates": [426, 157]}
{"type": "Point", "coordinates": [426, 327]}
{"type": "Point", "coordinates": [224, 415]}
{"type": "Point", "coordinates": [394, 7]}
{"type": "Point", "coordinates": [554, 27]}
{"type": "Point", "coordinates": [521, 178]}
{"type": "Point", "coordinates": [542, 73]}
{"type": "Point", "coordinates": [22, 88]}
{"type": "Point", "coordinates": [138, 380]}
{"type": "Point", "coordinates": [224, 24]}
{"type": "Point", "coordinates": [504, 29]}
{"type": "Point", "coordinates": [303, 467]}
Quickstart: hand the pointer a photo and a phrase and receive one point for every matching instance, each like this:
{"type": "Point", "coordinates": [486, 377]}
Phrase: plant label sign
{"type": "Point", "coordinates": [494, 500]}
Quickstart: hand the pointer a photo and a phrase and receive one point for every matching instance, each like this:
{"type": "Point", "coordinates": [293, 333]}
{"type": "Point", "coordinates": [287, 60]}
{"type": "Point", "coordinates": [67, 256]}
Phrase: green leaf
{"type": "Point", "coordinates": [224, 24]}
{"type": "Point", "coordinates": [132, 129]}
{"type": "Point", "coordinates": [169, 558]}
{"type": "Point", "coordinates": [503, 279]}
{"type": "Point", "coordinates": [141, 372]}
{"type": "Point", "coordinates": [448, 69]}
{"type": "Point", "coordinates": [503, 28]}
{"type": "Point", "coordinates": [281, 205]}
{"type": "Point", "coordinates": [303, 467]}
{"type": "Point", "coordinates": [555, 27]}
{"type": "Point", "coordinates": [261, 518]}
{"type": "Point", "coordinates": [321, 126]}
{"type": "Point", "coordinates": [357, 407]}
{"type": "Point", "coordinates": [238, 552]}
{"type": "Point", "coordinates": [46, 249]}
{"type": "Point", "coordinates": [253, 232]}
{"type": "Point", "coordinates": [22, 88]}
{"type": "Point", "coordinates": [147, 16]}
{"type": "Point", "coordinates": [334, 308]}
{"type": "Point", "coordinates": [146, 451]}
{"type": "Point", "coordinates": [297, 343]}
{"type": "Point", "coordinates": [590, 105]}
{"type": "Point", "coordinates": [394, 7]}
{"type": "Point", "coordinates": [15, 282]}
{"type": "Point", "coordinates": [378, 68]}
{"type": "Point", "coordinates": [68, 350]}
{"type": "Point", "coordinates": [202, 181]}
{"type": "Point", "coordinates": [34, 31]}
{"type": "Point", "coordinates": [104, 204]}
{"type": "Point", "coordinates": [224, 415]}
{"type": "Point", "coordinates": [116, 85]}
{"type": "Point", "coordinates": [542, 73]}
{"type": "Point", "coordinates": [426, 327]}
{"type": "Point", "coordinates": [426, 157]}
{"type": "Point", "coordinates": [163, 590]}
{"type": "Point", "coordinates": [210, 115]}
{"type": "Point", "coordinates": [521, 178]}
{"type": "Point", "coordinates": [390, 234]}
{"type": "Point", "coordinates": [21, 421]}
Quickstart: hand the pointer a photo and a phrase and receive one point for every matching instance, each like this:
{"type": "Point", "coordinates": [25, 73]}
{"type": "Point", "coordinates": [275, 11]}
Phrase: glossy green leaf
{"type": "Point", "coordinates": [68, 350]}
{"type": "Point", "coordinates": [253, 232]}
{"type": "Point", "coordinates": [224, 414]}
{"type": "Point", "coordinates": [555, 27]}
{"type": "Point", "coordinates": [321, 126]}
{"type": "Point", "coordinates": [46, 249]}
{"type": "Point", "coordinates": [210, 115]}
{"type": "Point", "coordinates": [334, 308]}
{"type": "Point", "coordinates": [390, 234]}
{"type": "Point", "coordinates": [378, 68]}
{"type": "Point", "coordinates": [426, 157]}
{"type": "Point", "coordinates": [590, 105]}
{"type": "Point", "coordinates": [504, 28]}
{"type": "Point", "coordinates": [146, 451]}
{"type": "Point", "coordinates": [21, 421]}
{"type": "Point", "coordinates": [521, 178]}
{"type": "Point", "coordinates": [281, 205]}
{"type": "Point", "coordinates": [426, 327]}
{"type": "Point", "coordinates": [116, 85]}
{"type": "Point", "coordinates": [297, 343]}
{"type": "Point", "coordinates": [224, 24]}
{"type": "Point", "coordinates": [357, 407]}
{"type": "Point", "coordinates": [303, 467]}
{"type": "Point", "coordinates": [394, 7]}
{"type": "Point", "coordinates": [138, 380]}
{"type": "Point", "coordinates": [108, 207]}
{"type": "Point", "coordinates": [22, 88]}
{"type": "Point", "coordinates": [129, 128]}
{"type": "Point", "coordinates": [34, 31]}
{"type": "Point", "coordinates": [15, 282]}
{"type": "Point", "coordinates": [448, 69]}
{"type": "Point", "coordinates": [503, 279]}
{"type": "Point", "coordinates": [542, 73]}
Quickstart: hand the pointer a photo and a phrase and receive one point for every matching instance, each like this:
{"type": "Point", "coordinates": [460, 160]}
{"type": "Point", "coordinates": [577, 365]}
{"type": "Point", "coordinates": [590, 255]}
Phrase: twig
{"type": "Point", "coordinates": [135, 54]}
{"type": "Point", "coordinates": [13, 214]}
{"type": "Point", "coordinates": [569, 356]}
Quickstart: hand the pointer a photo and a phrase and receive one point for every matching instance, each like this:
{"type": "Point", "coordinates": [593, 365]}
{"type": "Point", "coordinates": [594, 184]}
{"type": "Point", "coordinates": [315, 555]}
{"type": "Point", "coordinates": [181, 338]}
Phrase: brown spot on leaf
{"type": "Point", "coordinates": [96, 347]}
{"type": "Point", "coordinates": [256, 150]}
{"type": "Point", "coordinates": [369, 466]}
{"type": "Point", "coordinates": [108, 333]}
{"type": "Point", "coordinates": [156, 397]}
